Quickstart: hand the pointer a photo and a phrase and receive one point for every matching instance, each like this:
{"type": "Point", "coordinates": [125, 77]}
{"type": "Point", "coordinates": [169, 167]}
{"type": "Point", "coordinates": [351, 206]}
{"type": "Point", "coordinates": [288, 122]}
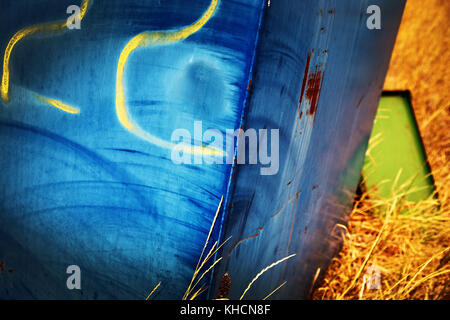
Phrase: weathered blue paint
{"type": "Point", "coordinates": [81, 189]}
{"type": "Point", "coordinates": [326, 46]}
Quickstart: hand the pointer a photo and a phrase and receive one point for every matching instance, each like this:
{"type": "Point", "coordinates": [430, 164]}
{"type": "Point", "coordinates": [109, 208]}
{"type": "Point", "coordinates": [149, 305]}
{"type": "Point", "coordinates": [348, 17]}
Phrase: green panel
{"type": "Point", "coordinates": [396, 149]}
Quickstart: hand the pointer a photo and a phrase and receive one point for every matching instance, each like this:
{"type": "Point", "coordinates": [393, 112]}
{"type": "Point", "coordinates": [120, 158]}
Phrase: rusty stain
{"type": "Point", "coordinates": [249, 84]}
{"type": "Point", "coordinates": [314, 86]}
{"type": "Point", "coordinates": [305, 79]}
{"type": "Point", "coordinates": [289, 182]}
{"type": "Point", "coordinates": [2, 266]}
{"type": "Point", "coordinates": [332, 11]}
{"type": "Point", "coordinates": [10, 271]}
{"type": "Point", "coordinates": [311, 85]}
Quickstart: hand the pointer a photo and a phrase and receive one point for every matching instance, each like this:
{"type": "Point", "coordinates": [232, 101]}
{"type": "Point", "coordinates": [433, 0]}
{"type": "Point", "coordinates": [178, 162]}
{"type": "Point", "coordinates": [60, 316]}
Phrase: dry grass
{"type": "Point", "coordinates": [193, 292]}
{"type": "Point", "coordinates": [198, 275]}
{"type": "Point", "coordinates": [190, 294]}
{"type": "Point", "coordinates": [407, 242]}
{"type": "Point", "coordinates": [420, 64]}
{"type": "Point", "coordinates": [153, 291]}
{"type": "Point", "coordinates": [262, 272]}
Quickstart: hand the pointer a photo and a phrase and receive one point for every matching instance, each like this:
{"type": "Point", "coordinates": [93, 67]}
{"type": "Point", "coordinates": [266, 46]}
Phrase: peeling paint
{"type": "Point", "coordinates": [315, 81]}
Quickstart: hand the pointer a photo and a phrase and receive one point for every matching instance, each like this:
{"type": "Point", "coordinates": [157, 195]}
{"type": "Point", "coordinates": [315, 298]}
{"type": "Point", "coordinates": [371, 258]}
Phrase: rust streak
{"type": "Point", "coordinates": [305, 80]}
{"type": "Point", "coordinates": [262, 227]}
{"type": "Point", "coordinates": [284, 204]}
{"type": "Point", "coordinates": [240, 241]}
{"type": "Point", "coordinates": [313, 89]}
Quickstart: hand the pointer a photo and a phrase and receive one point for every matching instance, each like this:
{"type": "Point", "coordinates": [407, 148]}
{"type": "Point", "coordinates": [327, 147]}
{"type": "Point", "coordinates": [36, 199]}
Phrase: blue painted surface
{"type": "Point", "coordinates": [321, 148]}
{"type": "Point", "coordinates": [81, 189]}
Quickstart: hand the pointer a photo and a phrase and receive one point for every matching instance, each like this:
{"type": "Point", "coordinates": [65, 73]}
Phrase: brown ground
{"type": "Point", "coordinates": [420, 63]}
{"type": "Point", "coordinates": [408, 243]}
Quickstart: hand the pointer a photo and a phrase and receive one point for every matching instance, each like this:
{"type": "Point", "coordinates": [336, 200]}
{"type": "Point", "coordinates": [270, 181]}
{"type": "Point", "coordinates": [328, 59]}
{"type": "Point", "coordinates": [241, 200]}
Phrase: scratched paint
{"type": "Point", "coordinates": [315, 61]}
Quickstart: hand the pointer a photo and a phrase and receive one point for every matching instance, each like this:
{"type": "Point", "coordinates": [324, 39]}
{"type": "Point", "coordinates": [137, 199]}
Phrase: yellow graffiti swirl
{"type": "Point", "coordinates": [57, 104]}
{"type": "Point", "coordinates": [145, 39]}
{"type": "Point", "coordinates": [46, 28]}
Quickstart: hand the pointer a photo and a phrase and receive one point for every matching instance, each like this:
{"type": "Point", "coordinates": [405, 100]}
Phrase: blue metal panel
{"type": "Point", "coordinates": [86, 189]}
{"type": "Point", "coordinates": [97, 190]}
{"type": "Point", "coordinates": [317, 77]}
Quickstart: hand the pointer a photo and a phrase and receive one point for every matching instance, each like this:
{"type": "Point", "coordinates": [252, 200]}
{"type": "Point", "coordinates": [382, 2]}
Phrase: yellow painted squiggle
{"type": "Point", "coordinates": [145, 39]}
{"type": "Point", "coordinates": [52, 27]}
{"type": "Point", "coordinates": [58, 104]}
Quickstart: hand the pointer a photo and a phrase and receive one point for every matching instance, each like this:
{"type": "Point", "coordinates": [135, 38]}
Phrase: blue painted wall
{"type": "Point", "coordinates": [318, 77]}
{"type": "Point", "coordinates": [80, 188]}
